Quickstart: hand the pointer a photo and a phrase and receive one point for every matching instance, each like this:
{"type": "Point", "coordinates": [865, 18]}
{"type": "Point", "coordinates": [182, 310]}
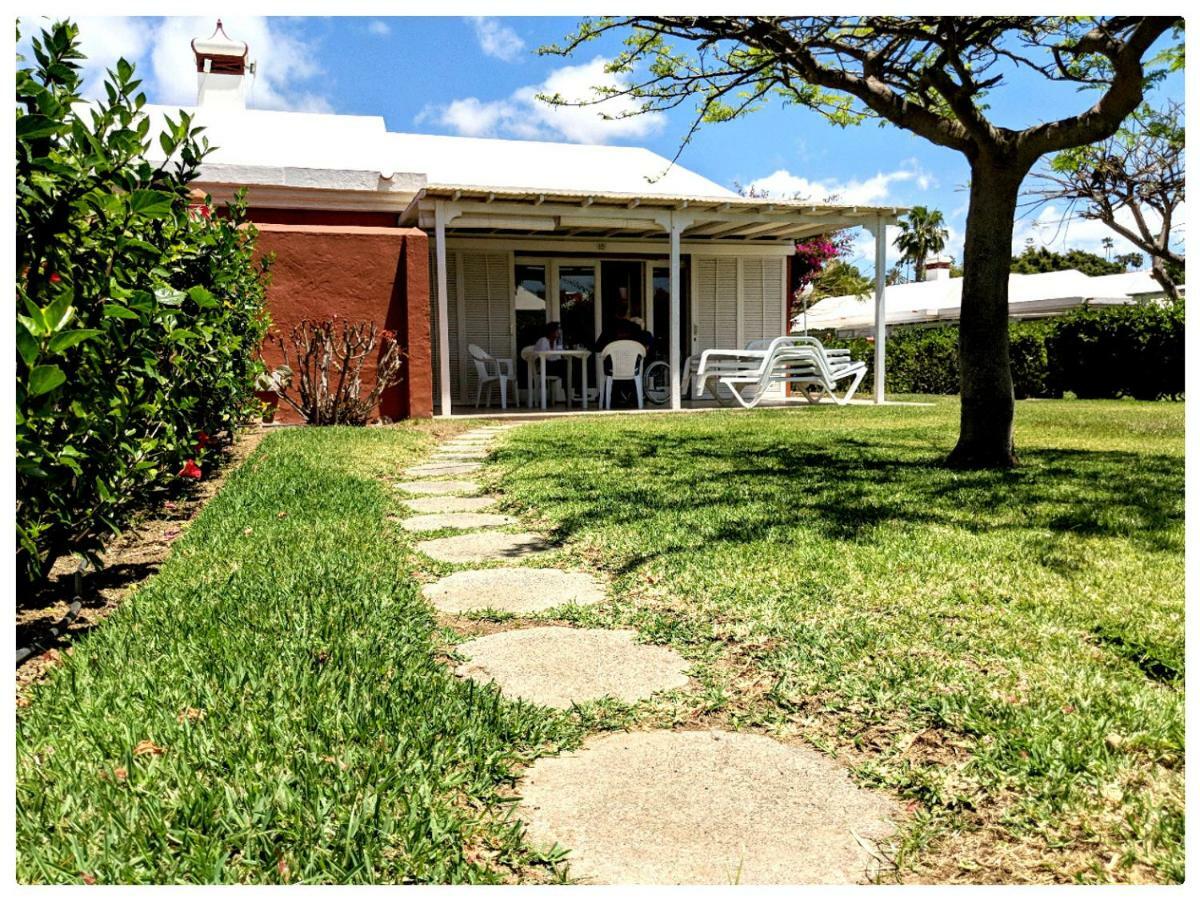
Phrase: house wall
{"type": "Point", "coordinates": [357, 273]}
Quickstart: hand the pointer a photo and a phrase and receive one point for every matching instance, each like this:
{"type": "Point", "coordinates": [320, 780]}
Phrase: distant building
{"type": "Point", "coordinates": [938, 299]}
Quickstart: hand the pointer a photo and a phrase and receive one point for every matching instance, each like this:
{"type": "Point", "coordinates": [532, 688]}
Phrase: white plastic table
{"type": "Point", "coordinates": [542, 355]}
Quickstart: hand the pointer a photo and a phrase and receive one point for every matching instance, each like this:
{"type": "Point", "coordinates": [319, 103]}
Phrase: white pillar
{"type": "Point", "coordinates": [443, 308]}
{"type": "Point", "coordinates": [880, 307]}
{"type": "Point", "coordinates": [677, 227]}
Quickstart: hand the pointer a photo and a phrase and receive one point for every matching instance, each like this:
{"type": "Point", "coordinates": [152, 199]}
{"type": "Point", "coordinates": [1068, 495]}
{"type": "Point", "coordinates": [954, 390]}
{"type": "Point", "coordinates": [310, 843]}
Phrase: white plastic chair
{"type": "Point", "coordinates": [502, 375]}
{"type": "Point", "coordinates": [627, 358]}
{"type": "Point", "coordinates": [531, 363]}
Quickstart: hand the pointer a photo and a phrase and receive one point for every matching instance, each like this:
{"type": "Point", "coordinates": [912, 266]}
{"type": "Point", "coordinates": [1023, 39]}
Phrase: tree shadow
{"type": "Point", "coordinates": [845, 489]}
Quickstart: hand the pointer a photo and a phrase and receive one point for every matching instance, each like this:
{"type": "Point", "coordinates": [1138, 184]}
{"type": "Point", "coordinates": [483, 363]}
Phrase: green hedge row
{"type": "Point", "coordinates": [1092, 352]}
{"type": "Point", "coordinates": [139, 313]}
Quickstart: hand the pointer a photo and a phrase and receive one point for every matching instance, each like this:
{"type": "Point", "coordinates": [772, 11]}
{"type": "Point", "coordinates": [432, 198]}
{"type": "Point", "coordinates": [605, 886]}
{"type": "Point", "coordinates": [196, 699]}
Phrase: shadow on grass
{"type": "Point", "coordinates": [844, 490]}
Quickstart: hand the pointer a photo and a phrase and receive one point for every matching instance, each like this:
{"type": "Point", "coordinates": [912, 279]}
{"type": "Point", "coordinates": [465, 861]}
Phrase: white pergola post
{"type": "Point", "coordinates": [676, 393]}
{"type": "Point", "coordinates": [880, 307]}
{"type": "Point", "coordinates": [443, 308]}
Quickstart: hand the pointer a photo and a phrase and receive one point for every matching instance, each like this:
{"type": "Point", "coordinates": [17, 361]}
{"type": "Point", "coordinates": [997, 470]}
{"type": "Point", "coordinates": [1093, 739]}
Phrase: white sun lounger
{"type": "Point", "coordinates": [803, 361]}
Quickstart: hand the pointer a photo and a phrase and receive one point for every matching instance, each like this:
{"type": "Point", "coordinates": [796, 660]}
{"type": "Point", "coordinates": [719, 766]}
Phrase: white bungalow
{"type": "Point", "coordinates": [521, 232]}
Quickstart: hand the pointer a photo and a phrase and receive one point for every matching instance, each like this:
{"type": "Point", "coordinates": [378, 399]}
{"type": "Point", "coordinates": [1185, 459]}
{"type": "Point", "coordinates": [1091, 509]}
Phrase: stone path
{"type": "Point", "coordinates": [650, 807]}
{"type": "Point", "coordinates": [449, 504]}
{"type": "Point", "coordinates": [438, 521]}
{"type": "Point", "coordinates": [485, 546]}
{"type": "Point", "coordinates": [703, 807]}
{"type": "Point", "coordinates": [446, 468]}
{"type": "Point", "coordinates": [516, 590]}
{"type": "Point", "coordinates": [557, 666]}
{"type": "Point", "coordinates": [437, 488]}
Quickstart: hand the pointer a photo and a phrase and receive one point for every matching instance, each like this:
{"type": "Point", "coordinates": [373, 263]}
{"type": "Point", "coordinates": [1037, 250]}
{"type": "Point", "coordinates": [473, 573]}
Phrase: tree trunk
{"type": "Point", "coordinates": [985, 438]}
{"type": "Point", "coordinates": [1158, 268]}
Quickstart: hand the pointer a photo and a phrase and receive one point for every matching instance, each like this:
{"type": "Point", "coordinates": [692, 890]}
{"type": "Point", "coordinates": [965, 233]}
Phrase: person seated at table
{"type": "Point", "coordinates": [556, 366]}
{"type": "Point", "coordinates": [624, 328]}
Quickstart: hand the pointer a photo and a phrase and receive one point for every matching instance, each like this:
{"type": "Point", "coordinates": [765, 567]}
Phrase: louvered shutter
{"type": "Point", "coordinates": [762, 298]}
{"type": "Point", "coordinates": [716, 303]}
{"type": "Point", "coordinates": [487, 309]}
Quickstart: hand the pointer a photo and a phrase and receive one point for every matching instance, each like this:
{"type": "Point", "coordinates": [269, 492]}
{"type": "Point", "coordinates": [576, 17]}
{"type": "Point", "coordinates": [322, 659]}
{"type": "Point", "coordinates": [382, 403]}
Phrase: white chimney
{"type": "Point", "coordinates": [221, 67]}
{"type": "Point", "coordinates": [937, 269]}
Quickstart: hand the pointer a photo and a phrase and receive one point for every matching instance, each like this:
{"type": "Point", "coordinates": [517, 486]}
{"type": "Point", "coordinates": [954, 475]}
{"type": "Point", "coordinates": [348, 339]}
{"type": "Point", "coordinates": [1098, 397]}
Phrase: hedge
{"type": "Point", "coordinates": [1092, 352]}
{"type": "Point", "coordinates": [139, 313]}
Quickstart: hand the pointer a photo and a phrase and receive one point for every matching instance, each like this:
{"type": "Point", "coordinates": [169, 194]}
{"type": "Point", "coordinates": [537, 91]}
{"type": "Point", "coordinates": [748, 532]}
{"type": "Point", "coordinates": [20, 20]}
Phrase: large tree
{"type": "Point", "coordinates": [929, 75]}
{"type": "Point", "coordinates": [1133, 182]}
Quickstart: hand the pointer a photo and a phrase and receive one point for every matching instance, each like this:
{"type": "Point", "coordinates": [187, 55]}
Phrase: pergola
{"type": "Point", "coordinates": [486, 211]}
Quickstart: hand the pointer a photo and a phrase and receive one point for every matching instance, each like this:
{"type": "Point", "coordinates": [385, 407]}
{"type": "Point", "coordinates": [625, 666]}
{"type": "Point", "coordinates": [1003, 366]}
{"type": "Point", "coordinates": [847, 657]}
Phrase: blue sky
{"type": "Point", "coordinates": [478, 75]}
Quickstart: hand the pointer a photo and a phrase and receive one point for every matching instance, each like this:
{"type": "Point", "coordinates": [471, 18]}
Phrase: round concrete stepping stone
{"type": "Point", "coordinates": [437, 488]}
{"type": "Point", "coordinates": [703, 807]}
{"type": "Point", "coordinates": [558, 666]}
{"type": "Point", "coordinates": [484, 546]}
{"type": "Point", "coordinates": [515, 590]}
{"type": "Point", "coordinates": [449, 504]}
{"type": "Point", "coordinates": [442, 469]}
{"type": "Point", "coordinates": [437, 521]}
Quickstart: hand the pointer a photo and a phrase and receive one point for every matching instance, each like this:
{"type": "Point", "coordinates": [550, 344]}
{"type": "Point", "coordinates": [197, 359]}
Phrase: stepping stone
{"type": "Point", "coordinates": [484, 546]}
{"type": "Point", "coordinates": [437, 488]}
{"type": "Point", "coordinates": [437, 521]}
{"type": "Point", "coordinates": [558, 666]}
{"type": "Point", "coordinates": [446, 468]}
{"type": "Point", "coordinates": [515, 590]}
{"type": "Point", "coordinates": [703, 807]}
{"type": "Point", "coordinates": [440, 455]}
{"type": "Point", "coordinates": [449, 504]}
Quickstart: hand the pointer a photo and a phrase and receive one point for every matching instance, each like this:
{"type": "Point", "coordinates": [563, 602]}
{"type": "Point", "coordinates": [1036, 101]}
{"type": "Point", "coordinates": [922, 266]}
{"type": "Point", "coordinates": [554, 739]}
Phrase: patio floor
{"type": "Point", "coordinates": [689, 406]}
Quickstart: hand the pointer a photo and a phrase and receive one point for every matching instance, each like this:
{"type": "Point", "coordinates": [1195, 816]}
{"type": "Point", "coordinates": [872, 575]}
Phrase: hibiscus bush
{"type": "Point", "coordinates": [139, 312]}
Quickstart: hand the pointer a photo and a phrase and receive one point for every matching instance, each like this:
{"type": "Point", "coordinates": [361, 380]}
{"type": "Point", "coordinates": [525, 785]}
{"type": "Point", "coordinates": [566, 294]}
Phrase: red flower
{"type": "Point", "coordinates": [190, 470]}
{"type": "Point", "coordinates": [202, 439]}
{"type": "Point", "coordinates": [55, 278]}
{"type": "Point", "coordinates": [199, 211]}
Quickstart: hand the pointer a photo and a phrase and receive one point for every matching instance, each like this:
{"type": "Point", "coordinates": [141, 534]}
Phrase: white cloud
{"type": "Point", "coordinates": [497, 39]}
{"type": "Point", "coordinates": [285, 62]}
{"type": "Point", "coordinates": [102, 39]}
{"type": "Point", "coordinates": [161, 50]}
{"type": "Point", "coordinates": [379, 28]}
{"type": "Point", "coordinates": [1058, 228]}
{"type": "Point", "coordinates": [873, 191]}
{"type": "Point", "coordinates": [523, 115]}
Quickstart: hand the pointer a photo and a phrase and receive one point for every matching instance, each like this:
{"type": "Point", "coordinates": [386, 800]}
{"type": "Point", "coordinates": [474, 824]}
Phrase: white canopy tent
{"type": "Point", "coordinates": [940, 301]}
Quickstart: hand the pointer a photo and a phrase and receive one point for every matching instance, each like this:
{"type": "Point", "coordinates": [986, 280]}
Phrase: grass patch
{"type": "Point", "coordinates": [270, 707]}
{"type": "Point", "coordinates": [1004, 650]}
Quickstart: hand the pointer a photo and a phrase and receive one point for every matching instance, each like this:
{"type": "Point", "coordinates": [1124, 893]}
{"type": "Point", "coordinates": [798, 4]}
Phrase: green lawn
{"type": "Point", "coordinates": [1003, 650]}
{"type": "Point", "coordinates": [280, 678]}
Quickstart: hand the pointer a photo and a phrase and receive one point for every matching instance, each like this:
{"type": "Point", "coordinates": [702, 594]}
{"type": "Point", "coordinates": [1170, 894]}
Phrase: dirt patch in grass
{"type": "Point", "coordinates": [47, 623]}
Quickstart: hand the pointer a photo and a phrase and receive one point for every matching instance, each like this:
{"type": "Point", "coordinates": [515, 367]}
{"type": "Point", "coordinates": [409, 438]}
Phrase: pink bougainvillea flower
{"type": "Point", "coordinates": [190, 470]}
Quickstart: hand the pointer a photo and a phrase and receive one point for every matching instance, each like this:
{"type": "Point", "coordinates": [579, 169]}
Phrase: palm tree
{"type": "Point", "coordinates": [1107, 244]}
{"type": "Point", "coordinates": [922, 234]}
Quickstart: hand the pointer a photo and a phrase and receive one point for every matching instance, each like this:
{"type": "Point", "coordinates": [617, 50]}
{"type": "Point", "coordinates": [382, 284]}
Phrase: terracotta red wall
{"type": "Point", "coordinates": [265, 214]}
{"type": "Point", "coordinates": [376, 274]}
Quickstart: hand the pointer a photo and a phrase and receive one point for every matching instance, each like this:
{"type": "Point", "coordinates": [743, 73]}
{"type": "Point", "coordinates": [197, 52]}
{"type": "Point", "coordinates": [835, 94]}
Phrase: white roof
{"type": "Point", "coordinates": [1040, 294]}
{"type": "Point", "coordinates": [270, 140]}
